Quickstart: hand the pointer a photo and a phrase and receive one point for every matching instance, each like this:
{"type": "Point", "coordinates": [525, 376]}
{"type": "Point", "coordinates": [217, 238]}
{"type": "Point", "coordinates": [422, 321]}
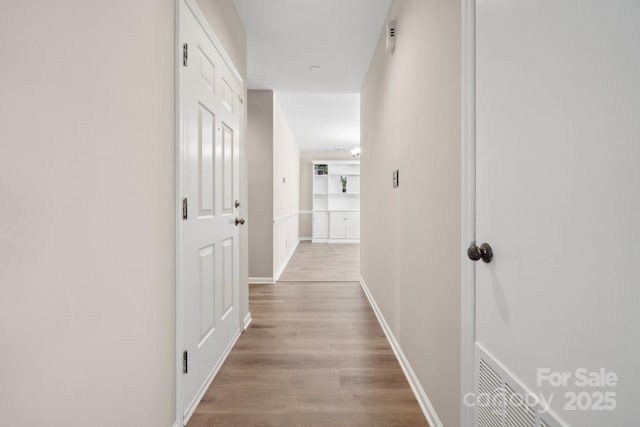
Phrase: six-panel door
{"type": "Point", "coordinates": [210, 238]}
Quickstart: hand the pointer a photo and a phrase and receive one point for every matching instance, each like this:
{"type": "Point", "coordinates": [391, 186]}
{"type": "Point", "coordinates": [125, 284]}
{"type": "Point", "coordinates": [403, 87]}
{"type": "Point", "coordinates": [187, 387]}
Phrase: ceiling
{"type": "Point", "coordinates": [286, 37]}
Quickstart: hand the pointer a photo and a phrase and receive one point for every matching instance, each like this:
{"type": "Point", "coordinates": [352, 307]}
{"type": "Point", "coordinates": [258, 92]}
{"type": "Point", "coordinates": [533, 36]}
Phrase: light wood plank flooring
{"type": "Point", "coordinates": [323, 262]}
{"type": "Point", "coordinates": [314, 356]}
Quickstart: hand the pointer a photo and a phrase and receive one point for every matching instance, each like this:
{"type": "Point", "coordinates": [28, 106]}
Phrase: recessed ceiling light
{"type": "Point", "coordinates": [315, 67]}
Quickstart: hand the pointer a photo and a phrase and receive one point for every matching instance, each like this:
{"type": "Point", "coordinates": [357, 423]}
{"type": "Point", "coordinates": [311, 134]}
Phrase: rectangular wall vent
{"type": "Point", "coordinates": [500, 398]}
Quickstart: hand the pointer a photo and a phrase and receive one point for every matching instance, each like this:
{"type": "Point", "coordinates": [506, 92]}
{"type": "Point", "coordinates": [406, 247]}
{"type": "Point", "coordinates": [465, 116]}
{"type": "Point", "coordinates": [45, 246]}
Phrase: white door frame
{"type": "Point", "coordinates": [190, 6]}
{"type": "Point", "coordinates": [468, 202]}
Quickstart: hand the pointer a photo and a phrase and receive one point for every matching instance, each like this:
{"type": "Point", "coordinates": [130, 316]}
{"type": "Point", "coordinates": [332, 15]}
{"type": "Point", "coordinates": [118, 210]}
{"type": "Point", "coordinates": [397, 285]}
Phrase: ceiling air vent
{"type": "Point", "coordinates": [391, 36]}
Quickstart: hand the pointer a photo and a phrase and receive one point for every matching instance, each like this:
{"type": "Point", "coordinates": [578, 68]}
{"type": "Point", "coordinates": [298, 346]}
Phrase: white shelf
{"type": "Point", "coordinates": [336, 215]}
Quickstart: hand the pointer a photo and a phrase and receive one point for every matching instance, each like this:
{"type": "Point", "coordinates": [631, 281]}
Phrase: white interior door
{"type": "Point", "coordinates": [558, 199]}
{"type": "Point", "coordinates": [210, 253]}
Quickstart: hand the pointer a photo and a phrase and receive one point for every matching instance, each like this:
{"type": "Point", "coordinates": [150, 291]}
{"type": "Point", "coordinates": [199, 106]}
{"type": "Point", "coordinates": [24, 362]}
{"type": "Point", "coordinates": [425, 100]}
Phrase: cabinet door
{"type": "Point", "coordinates": [320, 225]}
{"type": "Point", "coordinates": [353, 225]}
{"type": "Point", "coordinates": [337, 225]}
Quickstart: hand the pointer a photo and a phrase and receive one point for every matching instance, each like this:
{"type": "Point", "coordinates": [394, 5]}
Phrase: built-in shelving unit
{"type": "Point", "coordinates": [336, 208]}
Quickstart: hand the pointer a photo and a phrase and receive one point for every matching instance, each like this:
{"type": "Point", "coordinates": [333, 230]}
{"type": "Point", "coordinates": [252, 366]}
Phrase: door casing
{"type": "Point", "coordinates": [468, 204]}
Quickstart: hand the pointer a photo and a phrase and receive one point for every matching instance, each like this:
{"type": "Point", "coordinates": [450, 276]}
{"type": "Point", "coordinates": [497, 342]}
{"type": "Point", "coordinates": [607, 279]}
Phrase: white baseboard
{"type": "Point", "coordinates": [194, 404]}
{"type": "Point", "coordinates": [335, 240]}
{"type": "Point", "coordinates": [261, 281]}
{"type": "Point", "coordinates": [247, 321]}
{"type": "Point", "coordinates": [284, 263]}
{"type": "Point", "coordinates": [177, 424]}
{"type": "Point", "coordinates": [426, 406]}
{"type": "Point", "coordinates": [306, 239]}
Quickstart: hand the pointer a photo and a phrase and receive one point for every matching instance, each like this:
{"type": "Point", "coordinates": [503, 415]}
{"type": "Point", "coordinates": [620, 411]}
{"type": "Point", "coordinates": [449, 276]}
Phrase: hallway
{"type": "Point", "coordinates": [314, 355]}
{"type": "Point", "coordinates": [323, 262]}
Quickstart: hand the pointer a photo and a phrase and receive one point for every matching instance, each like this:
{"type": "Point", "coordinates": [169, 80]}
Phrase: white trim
{"type": "Point", "coordinates": [426, 406]}
{"type": "Point", "coordinates": [335, 240]}
{"type": "Point", "coordinates": [284, 217]}
{"type": "Point", "coordinates": [261, 281]}
{"type": "Point", "coordinates": [179, 327]}
{"type": "Point", "coordinates": [306, 239]}
{"type": "Point", "coordinates": [342, 162]}
{"type": "Point", "coordinates": [194, 404]}
{"type": "Point", "coordinates": [468, 208]}
{"type": "Point", "coordinates": [284, 263]}
{"type": "Point", "coordinates": [176, 424]}
{"type": "Point", "coordinates": [305, 212]}
{"type": "Point", "coordinates": [247, 321]}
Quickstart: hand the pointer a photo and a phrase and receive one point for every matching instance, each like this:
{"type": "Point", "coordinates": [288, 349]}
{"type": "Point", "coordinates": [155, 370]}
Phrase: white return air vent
{"type": "Point", "coordinates": [502, 403]}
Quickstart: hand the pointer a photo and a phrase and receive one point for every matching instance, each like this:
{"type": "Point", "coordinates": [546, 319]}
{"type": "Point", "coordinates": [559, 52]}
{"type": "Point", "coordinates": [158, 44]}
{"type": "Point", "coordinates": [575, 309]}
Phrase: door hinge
{"type": "Point", "coordinates": [185, 362]}
{"type": "Point", "coordinates": [241, 99]}
{"type": "Point", "coordinates": [185, 54]}
{"type": "Point", "coordinates": [185, 208]}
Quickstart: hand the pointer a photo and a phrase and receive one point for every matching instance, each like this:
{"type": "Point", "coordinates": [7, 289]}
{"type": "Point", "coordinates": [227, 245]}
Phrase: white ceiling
{"type": "Point", "coordinates": [286, 37]}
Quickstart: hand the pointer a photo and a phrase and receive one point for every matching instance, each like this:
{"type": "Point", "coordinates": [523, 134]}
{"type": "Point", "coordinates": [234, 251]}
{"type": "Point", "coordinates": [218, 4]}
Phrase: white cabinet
{"type": "Point", "coordinates": [336, 201]}
{"type": "Point", "coordinates": [352, 225]}
{"type": "Point", "coordinates": [344, 226]}
{"type": "Point", "coordinates": [337, 225]}
{"type": "Point", "coordinates": [320, 225]}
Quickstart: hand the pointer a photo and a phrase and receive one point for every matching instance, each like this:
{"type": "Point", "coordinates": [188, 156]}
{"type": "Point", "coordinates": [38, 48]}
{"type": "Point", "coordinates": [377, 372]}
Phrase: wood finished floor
{"type": "Point", "coordinates": [314, 355]}
{"type": "Point", "coordinates": [323, 262]}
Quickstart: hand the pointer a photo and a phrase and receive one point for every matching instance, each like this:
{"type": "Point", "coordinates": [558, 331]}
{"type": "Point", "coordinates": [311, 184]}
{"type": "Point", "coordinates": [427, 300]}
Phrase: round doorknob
{"type": "Point", "coordinates": [483, 252]}
{"type": "Point", "coordinates": [239, 221]}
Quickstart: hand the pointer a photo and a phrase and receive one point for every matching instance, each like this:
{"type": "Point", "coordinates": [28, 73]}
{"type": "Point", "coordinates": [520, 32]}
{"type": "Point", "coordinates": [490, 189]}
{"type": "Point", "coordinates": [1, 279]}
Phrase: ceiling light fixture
{"type": "Point", "coordinates": [315, 67]}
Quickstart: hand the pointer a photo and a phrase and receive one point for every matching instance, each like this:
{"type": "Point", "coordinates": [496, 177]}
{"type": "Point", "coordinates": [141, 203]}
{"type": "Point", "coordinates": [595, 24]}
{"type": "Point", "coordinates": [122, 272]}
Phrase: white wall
{"type": "Point", "coordinates": [410, 235]}
{"type": "Point", "coordinates": [273, 155]}
{"type": "Point", "coordinates": [260, 183]}
{"type": "Point", "coordinates": [286, 189]}
{"type": "Point", "coordinates": [87, 213]}
{"type": "Point", "coordinates": [306, 183]}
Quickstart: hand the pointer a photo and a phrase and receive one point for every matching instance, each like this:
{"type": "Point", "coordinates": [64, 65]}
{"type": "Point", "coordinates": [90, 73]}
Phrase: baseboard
{"type": "Point", "coordinates": [284, 263]}
{"type": "Point", "coordinates": [306, 239]}
{"type": "Point", "coordinates": [334, 240]}
{"type": "Point", "coordinates": [177, 424]}
{"type": "Point", "coordinates": [426, 406]}
{"type": "Point", "coordinates": [261, 281]}
{"type": "Point", "coordinates": [196, 401]}
{"type": "Point", "coordinates": [247, 321]}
